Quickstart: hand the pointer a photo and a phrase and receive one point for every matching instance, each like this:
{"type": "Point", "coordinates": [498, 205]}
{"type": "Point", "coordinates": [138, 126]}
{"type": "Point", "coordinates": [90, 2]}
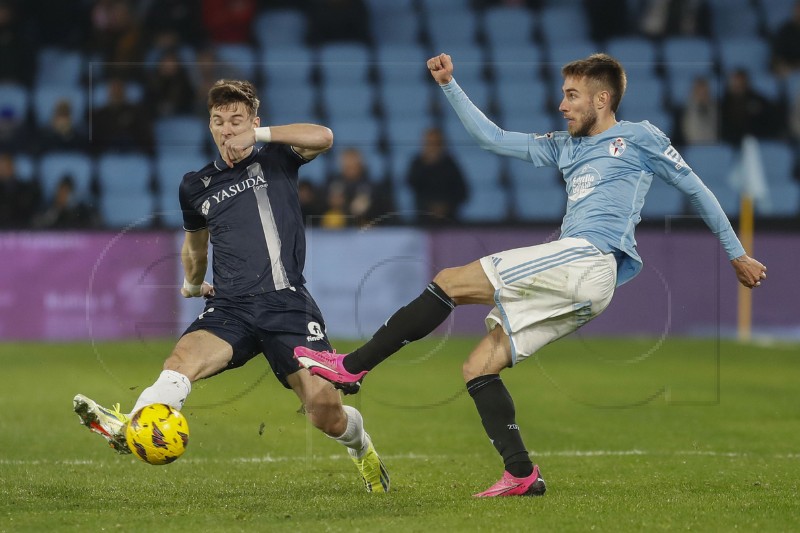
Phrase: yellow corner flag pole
{"type": "Point", "coordinates": [745, 310]}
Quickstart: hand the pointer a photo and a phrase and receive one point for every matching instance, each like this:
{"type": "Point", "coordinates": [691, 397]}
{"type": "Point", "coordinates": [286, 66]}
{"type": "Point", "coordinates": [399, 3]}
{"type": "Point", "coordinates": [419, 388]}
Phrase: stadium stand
{"type": "Point", "coordinates": [508, 26]}
{"type": "Point", "coordinates": [125, 186]}
{"type": "Point", "coordinates": [380, 97]}
{"type": "Point", "coordinates": [78, 165]}
{"type": "Point", "coordinates": [14, 99]}
{"type": "Point", "coordinates": [280, 28]}
{"type": "Point", "coordinates": [401, 63]}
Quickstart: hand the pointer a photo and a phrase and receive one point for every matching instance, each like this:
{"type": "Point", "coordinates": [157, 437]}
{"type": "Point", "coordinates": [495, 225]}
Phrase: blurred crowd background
{"type": "Point", "coordinates": [102, 102]}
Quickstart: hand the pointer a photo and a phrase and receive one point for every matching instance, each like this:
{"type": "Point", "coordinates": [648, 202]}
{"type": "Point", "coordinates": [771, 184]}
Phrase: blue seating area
{"type": "Point", "coordinates": [379, 97]}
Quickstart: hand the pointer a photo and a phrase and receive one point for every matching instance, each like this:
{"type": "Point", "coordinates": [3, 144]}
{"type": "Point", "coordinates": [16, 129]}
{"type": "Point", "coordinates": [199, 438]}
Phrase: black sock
{"type": "Point", "coordinates": [409, 323]}
{"type": "Point", "coordinates": [497, 412]}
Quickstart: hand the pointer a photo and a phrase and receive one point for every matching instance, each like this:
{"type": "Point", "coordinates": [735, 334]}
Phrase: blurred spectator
{"type": "Point", "coordinates": [121, 124]}
{"type": "Point", "coordinates": [208, 70]}
{"type": "Point", "coordinates": [18, 199]}
{"type": "Point", "coordinates": [700, 117]}
{"type": "Point", "coordinates": [15, 131]}
{"type": "Point", "coordinates": [350, 193]}
{"type": "Point", "coordinates": [280, 4]}
{"type": "Point", "coordinates": [117, 37]}
{"type": "Point", "coordinates": [676, 17]}
{"type": "Point", "coordinates": [172, 23]}
{"type": "Point", "coordinates": [17, 52]}
{"type": "Point", "coordinates": [62, 133]}
{"type": "Point", "coordinates": [786, 44]}
{"type": "Point", "coordinates": [310, 204]}
{"type": "Point", "coordinates": [334, 216]}
{"type": "Point", "coordinates": [436, 179]}
{"type": "Point", "coordinates": [744, 110]}
{"type": "Point", "coordinates": [794, 118]}
{"type": "Point", "coordinates": [50, 17]}
{"type": "Point", "coordinates": [66, 211]}
{"type": "Point", "coordinates": [607, 18]}
{"type": "Point", "coordinates": [337, 20]}
{"type": "Point", "coordinates": [169, 86]}
{"type": "Point", "coordinates": [229, 21]}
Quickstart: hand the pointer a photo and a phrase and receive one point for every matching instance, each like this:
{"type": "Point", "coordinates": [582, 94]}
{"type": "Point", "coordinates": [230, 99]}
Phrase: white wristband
{"type": "Point", "coordinates": [194, 290]}
{"type": "Point", "coordinates": [263, 135]}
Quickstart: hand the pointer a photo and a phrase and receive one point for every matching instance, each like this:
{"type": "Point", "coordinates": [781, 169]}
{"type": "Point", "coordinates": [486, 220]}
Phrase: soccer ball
{"type": "Point", "coordinates": [157, 434]}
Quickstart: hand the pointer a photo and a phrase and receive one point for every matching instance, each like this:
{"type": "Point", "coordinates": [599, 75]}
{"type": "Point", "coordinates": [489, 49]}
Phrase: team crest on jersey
{"type": "Point", "coordinates": [584, 182]}
{"type": "Point", "coordinates": [617, 147]}
{"type": "Point", "coordinates": [316, 332]}
{"type": "Point", "coordinates": [205, 207]}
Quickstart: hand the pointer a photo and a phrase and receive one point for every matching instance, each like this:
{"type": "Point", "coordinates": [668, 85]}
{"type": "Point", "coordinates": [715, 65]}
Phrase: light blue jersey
{"type": "Point", "coordinates": [607, 177]}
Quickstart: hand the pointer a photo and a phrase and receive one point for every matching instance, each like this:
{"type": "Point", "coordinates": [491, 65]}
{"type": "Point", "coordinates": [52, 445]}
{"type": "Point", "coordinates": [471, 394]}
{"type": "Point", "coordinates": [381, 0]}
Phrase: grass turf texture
{"type": "Point", "coordinates": [631, 435]}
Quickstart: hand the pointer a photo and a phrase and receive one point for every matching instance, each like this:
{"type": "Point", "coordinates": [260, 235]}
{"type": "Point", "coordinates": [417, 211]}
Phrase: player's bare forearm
{"type": "Point", "coordinates": [194, 256]}
{"type": "Point", "coordinates": [310, 137]}
{"type": "Point", "coordinates": [308, 140]}
{"type": "Point", "coordinates": [749, 272]}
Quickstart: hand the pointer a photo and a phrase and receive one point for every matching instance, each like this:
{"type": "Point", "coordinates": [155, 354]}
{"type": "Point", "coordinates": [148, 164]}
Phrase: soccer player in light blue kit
{"type": "Point", "coordinates": [544, 292]}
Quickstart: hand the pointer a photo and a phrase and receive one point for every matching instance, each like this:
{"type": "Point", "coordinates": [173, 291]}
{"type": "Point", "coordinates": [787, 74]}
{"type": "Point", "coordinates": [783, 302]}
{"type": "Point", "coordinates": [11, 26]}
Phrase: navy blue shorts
{"type": "Point", "coordinates": [272, 323]}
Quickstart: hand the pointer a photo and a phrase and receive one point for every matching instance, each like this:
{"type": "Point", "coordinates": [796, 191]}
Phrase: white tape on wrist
{"type": "Point", "coordinates": [194, 290]}
{"type": "Point", "coordinates": [263, 135]}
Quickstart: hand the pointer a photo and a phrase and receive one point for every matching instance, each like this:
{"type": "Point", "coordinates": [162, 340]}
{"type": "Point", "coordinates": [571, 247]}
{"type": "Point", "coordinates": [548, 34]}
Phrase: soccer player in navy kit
{"type": "Point", "coordinates": [246, 202]}
{"type": "Point", "coordinates": [542, 293]}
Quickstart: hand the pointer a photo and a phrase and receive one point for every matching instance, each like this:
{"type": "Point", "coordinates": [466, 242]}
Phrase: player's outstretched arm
{"type": "Point", "coordinates": [485, 132]}
{"type": "Point", "coordinates": [749, 271]}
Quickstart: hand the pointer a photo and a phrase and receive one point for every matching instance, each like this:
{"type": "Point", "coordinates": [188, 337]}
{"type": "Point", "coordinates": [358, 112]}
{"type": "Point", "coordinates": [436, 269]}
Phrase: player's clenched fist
{"type": "Point", "coordinates": [235, 148]}
{"type": "Point", "coordinates": [441, 68]}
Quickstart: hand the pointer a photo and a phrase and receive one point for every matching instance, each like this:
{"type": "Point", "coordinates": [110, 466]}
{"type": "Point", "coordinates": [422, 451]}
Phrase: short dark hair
{"type": "Point", "coordinates": [603, 71]}
{"type": "Point", "coordinates": [226, 93]}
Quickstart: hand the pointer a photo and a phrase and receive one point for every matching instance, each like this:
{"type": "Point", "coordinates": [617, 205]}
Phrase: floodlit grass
{"type": "Point", "coordinates": [631, 435]}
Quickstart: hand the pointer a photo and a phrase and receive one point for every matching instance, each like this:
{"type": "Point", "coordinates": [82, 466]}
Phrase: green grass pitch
{"type": "Point", "coordinates": [630, 434]}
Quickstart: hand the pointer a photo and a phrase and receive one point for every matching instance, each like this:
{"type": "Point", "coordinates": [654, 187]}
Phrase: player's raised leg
{"type": "Point", "coordinates": [196, 355]}
{"type": "Point", "coordinates": [498, 416]}
{"type": "Point", "coordinates": [452, 286]}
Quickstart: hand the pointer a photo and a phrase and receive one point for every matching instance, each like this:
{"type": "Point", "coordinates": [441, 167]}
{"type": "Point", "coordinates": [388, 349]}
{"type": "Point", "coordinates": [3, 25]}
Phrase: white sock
{"type": "Point", "coordinates": [354, 436]}
{"type": "Point", "coordinates": [170, 388]}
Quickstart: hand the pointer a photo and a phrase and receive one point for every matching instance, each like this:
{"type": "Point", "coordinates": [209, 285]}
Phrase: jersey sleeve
{"type": "Point", "coordinates": [192, 220]}
{"type": "Point", "coordinates": [541, 150]}
{"type": "Point", "coordinates": [660, 157]}
{"type": "Point", "coordinates": [284, 155]}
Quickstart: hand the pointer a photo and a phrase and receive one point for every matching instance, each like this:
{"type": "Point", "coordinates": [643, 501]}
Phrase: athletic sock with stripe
{"type": "Point", "coordinates": [496, 407]}
{"type": "Point", "coordinates": [408, 324]}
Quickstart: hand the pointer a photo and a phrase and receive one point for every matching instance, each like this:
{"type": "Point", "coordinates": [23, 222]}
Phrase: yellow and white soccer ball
{"type": "Point", "coordinates": [157, 434]}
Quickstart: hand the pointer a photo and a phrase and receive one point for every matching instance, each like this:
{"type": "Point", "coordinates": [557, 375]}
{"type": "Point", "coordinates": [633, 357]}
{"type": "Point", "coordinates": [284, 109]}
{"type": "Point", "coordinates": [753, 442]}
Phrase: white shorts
{"type": "Point", "coordinates": [545, 292]}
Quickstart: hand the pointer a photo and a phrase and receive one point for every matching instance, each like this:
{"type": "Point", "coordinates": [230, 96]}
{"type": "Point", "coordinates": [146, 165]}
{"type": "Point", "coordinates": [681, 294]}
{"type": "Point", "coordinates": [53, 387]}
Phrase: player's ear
{"type": "Point", "coordinates": [256, 122]}
{"type": "Point", "coordinates": [602, 99]}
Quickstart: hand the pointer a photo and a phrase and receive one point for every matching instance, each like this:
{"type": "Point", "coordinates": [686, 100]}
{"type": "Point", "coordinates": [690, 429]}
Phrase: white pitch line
{"type": "Point", "coordinates": [423, 457]}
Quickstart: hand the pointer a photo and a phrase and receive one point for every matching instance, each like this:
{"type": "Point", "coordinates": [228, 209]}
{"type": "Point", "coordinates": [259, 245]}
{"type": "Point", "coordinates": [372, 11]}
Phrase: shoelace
{"type": "Point", "coordinates": [119, 413]}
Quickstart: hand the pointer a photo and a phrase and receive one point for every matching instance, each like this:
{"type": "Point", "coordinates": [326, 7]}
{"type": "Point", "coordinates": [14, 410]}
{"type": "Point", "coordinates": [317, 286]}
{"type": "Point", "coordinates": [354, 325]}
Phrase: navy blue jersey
{"type": "Point", "coordinates": [252, 213]}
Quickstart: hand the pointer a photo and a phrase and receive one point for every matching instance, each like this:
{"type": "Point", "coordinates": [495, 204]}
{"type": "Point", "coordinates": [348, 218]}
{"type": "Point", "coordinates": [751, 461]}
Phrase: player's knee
{"type": "Point", "coordinates": [446, 279]}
